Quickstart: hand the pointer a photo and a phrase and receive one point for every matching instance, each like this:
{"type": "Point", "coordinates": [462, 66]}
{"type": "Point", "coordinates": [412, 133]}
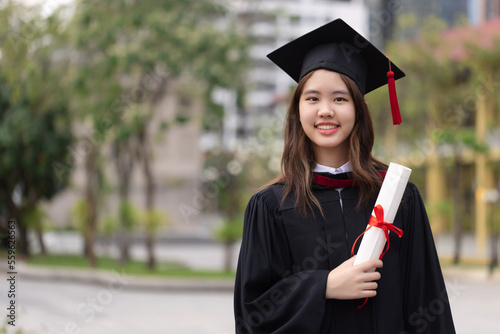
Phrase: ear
{"type": "Point", "coordinates": [367, 106]}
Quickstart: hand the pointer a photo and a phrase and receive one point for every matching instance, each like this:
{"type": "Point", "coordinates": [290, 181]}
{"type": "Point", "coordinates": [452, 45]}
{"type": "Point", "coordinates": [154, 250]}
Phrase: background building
{"type": "Point", "coordinates": [272, 24]}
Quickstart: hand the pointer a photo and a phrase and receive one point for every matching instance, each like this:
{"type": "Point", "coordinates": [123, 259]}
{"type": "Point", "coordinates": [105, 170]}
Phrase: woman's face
{"type": "Point", "coordinates": [327, 115]}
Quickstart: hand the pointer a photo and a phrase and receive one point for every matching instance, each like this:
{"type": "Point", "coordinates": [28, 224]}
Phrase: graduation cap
{"type": "Point", "coordinates": [338, 47]}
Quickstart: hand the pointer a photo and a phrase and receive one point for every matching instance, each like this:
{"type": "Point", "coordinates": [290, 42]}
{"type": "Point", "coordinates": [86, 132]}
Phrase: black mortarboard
{"type": "Point", "coordinates": [338, 47]}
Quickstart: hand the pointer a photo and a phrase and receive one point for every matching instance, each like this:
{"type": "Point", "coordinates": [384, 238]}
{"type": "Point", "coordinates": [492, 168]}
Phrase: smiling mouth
{"type": "Point", "coordinates": [326, 127]}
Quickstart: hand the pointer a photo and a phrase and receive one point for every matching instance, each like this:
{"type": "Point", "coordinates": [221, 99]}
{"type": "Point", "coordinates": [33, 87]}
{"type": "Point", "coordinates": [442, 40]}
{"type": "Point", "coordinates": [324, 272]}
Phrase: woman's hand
{"type": "Point", "coordinates": [353, 282]}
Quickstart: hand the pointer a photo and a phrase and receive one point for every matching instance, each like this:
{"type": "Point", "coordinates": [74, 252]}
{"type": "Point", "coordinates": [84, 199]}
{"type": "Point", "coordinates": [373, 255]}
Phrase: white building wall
{"type": "Point", "coordinates": [293, 19]}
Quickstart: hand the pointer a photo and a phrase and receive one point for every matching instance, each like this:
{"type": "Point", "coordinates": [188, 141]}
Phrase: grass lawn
{"type": "Point", "coordinates": [168, 269]}
{"type": "Point", "coordinates": [465, 262]}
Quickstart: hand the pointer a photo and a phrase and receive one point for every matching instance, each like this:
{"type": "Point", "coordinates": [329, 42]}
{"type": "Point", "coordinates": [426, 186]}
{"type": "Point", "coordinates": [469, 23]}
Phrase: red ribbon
{"type": "Point", "coordinates": [378, 221]}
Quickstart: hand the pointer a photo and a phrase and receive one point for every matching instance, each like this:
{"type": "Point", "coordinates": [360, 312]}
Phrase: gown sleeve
{"type": "Point", "coordinates": [425, 300]}
{"type": "Point", "coordinates": [272, 295]}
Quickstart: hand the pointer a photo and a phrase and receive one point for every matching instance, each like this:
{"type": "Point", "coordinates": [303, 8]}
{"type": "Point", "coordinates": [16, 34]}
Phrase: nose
{"type": "Point", "coordinates": [325, 110]}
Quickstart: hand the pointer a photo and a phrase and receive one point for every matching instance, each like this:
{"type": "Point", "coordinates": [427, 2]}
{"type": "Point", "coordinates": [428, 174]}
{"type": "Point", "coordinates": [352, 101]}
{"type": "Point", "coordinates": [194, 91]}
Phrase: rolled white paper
{"type": "Point", "coordinates": [389, 197]}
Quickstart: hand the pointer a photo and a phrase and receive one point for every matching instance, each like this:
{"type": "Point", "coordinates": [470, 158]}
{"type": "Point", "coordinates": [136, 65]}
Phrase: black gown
{"type": "Point", "coordinates": [285, 259]}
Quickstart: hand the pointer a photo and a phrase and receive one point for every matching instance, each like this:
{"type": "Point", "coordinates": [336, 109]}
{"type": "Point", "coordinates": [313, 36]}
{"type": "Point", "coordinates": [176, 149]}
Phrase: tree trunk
{"type": "Point", "coordinates": [39, 235]}
{"type": "Point", "coordinates": [23, 239]}
{"type": "Point", "coordinates": [143, 149]}
{"type": "Point", "coordinates": [22, 242]}
{"type": "Point", "coordinates": [91, 189]}
{"type": "Point", "coordinates": [494, 250]}
{"type": "Point", "coordinates": [457, 219]}
{"type": "Point", "coordinates": [124, 163]}
{"type": "Point", "coordinates": [228, 255]}
{"type": "Point", "coordinates": [151, 264]}
{"type": "Point", "coordinates": [493, 239]}
{"type": "Point", "coordinates": [124, 245]}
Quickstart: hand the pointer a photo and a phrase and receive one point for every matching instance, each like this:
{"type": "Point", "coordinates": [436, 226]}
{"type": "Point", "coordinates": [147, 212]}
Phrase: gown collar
{"type": "Point", "coordinates": [336, 177]}
{"type": "Point", "coordinates": [345, 168]}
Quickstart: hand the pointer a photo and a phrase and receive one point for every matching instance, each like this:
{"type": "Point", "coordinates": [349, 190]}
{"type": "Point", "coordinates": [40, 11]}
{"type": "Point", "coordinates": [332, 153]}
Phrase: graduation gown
{"type": "Point", "coordinates": [285, 260]}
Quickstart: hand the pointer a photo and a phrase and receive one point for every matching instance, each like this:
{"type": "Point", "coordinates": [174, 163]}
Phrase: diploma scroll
{"type": "Point", "coordinates": [389, 197]}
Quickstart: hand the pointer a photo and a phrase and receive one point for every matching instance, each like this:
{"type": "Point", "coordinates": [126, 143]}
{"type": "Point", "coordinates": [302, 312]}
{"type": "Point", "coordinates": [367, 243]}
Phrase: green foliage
{"type": "Point", "coordinates": [132, 216]}
{"type": "Point", "coordinates": [35, 218]}
{"type": "Point", "coordinates": [6, 326]}
{"type": "Point", "coordinates": [465, 137]}
{"type": "Point", "coordinates": [229, 184]}
{"type": "Point", "coordinates": [108, 225]}
{"type": "Point", "coordinates": [126, 57]}
{"type": "Point", "coordinates": [154, 219]}
{"type": "Point", "coordinates": [164, 268]}
{"type": "Point", "coordinates": [448, 75]}
{"type": "Point", "coordinates": [443, 207]}
{"type": "Point", "coordinates": [32, 142]}
{"type": "Point", "coordinates": [35, 120]}
{"type": "Point", "coordinates": [230, 230]}
{"type": "Point", "coordinates": [438, 97]}
{"type": "Point", "coordinates": [128, 214]}
{"type": "Point", "coordinates": [80, 215]}
{"type": "Point", "coordinates": [225, 177]}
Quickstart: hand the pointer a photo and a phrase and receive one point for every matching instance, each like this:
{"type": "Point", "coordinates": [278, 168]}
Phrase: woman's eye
{"type": "Point", "coordinates": [312, 98]}
{"type": "Point", "coordinates": [339, 99]}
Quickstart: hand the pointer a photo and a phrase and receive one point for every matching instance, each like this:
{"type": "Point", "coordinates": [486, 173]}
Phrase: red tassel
{"type": "Point", "coordinates": [396, 115]}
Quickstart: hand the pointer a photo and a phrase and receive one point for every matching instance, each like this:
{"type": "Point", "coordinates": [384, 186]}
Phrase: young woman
{"type": "Point", "coordinates": [295, 271]}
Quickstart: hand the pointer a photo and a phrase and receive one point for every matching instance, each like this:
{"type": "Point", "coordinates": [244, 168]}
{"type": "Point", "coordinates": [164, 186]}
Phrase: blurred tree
{"type": "Point", "coordinates": [125, 53]}
{"type": "Point", "coordinates": [458, 140]}
{"type": "Point", "coordinates": [442, 96]}
{"type": "Point", "coordinates": [494, 231]}
{"type": "Point", "coordinates": [108, 226]}
{"type": "Point", "coordinates": [35, 219]}
{"type": "Point", "coordinates": [79, 219]}
{"type": "Point", "coordinates": [152, 220]}
{"type": "Point", "coordinates": [35, 134]}
{"type": "Point", "coordinates": [226, 180]}
{"type": "Point", "coordinates": [228, 233]}
{"type": "Point", "coordinates": [485, 63]}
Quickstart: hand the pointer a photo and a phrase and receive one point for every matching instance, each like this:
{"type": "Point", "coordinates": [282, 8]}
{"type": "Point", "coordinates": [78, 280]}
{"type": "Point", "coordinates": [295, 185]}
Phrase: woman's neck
{"type": "Point", "coordinates": [332, 157]}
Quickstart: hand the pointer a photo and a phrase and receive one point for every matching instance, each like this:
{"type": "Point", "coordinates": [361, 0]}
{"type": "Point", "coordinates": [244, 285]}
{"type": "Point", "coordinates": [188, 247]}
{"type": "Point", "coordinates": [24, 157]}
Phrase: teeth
{"type": "Point", "coordinates": [327, 127]}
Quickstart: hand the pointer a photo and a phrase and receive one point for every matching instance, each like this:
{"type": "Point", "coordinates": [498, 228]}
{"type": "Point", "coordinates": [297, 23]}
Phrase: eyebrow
{"type": "Point", "coordinates": [335, 92]}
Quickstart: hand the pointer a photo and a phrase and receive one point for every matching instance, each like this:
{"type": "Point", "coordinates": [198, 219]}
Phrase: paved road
{"type": "Point", "coordinates": [48, 308]}
{"type": "Point", "coordinates": [63, 308]}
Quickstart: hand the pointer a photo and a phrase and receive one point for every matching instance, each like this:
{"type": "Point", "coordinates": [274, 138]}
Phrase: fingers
{"type": "Point", "coordinates": [373, 276]}
{"type": "Point", "coordinates": [366, 290]}
{"type": "Point", "coordinates": [351, 282]}
{"type": "Point", "coordinates": [370, 286]}
{"type": "Point", "coordinates": [368, 294]}
{"type": "Point", "coordinates": [370, 265]}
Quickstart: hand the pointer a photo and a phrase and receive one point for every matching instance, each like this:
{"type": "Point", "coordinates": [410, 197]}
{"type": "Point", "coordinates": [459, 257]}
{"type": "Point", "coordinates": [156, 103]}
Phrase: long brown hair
{"type": "Point", "coordinates": [298, 160]}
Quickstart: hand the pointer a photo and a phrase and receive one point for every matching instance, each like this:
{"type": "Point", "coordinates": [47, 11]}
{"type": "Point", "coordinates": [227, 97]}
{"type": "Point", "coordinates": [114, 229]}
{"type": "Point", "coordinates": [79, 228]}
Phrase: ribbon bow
{"type": "Point", "coordinates": [378, 221]}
